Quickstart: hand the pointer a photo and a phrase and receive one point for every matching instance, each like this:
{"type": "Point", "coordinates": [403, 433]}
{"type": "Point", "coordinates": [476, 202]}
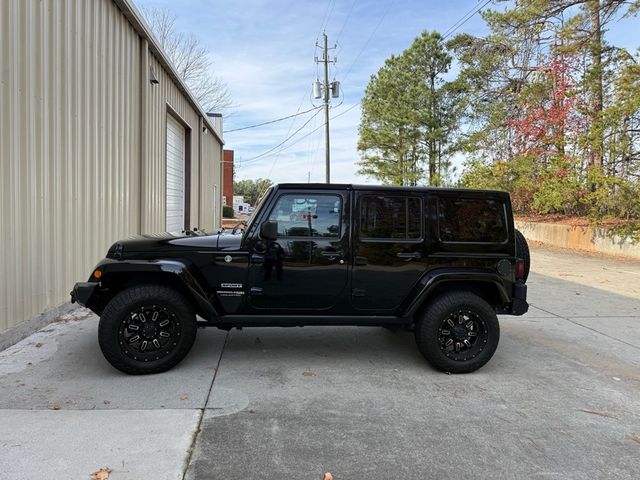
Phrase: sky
{"type": "Point", "coordinates": [264, 51]}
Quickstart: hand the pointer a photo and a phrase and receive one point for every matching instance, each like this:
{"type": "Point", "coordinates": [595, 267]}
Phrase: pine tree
{"type": "Point", "coordinates": [410, 115]}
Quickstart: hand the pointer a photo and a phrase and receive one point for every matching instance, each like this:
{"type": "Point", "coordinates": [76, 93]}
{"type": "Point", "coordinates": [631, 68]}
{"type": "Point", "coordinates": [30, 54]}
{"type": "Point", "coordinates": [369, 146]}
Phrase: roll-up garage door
{"type": "Point", "coordinates": [175, 174]}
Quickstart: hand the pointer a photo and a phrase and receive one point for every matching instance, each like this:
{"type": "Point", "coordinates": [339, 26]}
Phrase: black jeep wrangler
{"type": "Point", "coordinates": [442, 261]}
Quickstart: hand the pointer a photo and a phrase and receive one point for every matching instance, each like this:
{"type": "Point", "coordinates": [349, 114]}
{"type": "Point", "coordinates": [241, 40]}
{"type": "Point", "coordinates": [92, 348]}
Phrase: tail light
{"type": "Point", "coordinates": [519, 269]}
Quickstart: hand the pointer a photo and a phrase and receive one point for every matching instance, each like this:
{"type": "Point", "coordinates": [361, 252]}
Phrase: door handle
{"type": "Point", "coordinates": [257, 259]}
{"type": "Point", "coordinates": [408, 256]}
{"type": "Point", "coordinates": [360, 261]}
{"type": "Point", "coordinates": [331, 255]}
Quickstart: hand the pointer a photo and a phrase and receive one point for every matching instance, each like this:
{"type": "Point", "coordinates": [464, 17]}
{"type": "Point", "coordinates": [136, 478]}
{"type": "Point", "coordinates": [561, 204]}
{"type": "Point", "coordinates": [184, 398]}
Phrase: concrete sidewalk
{"type": "Point", "coordinates": [560, 399]}
{"type": "Point", "coordinates": [65, 412]}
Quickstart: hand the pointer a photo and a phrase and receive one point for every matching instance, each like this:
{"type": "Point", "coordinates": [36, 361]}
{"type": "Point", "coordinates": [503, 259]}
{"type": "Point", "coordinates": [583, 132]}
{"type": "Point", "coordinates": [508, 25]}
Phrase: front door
{"type": "Point", "coordinates": [306, 268]}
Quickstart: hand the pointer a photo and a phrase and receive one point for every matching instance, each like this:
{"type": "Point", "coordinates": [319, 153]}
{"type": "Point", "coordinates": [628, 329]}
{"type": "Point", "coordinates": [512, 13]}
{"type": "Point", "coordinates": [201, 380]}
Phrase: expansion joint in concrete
{"type": "Point", "coordinates": [196, 432]}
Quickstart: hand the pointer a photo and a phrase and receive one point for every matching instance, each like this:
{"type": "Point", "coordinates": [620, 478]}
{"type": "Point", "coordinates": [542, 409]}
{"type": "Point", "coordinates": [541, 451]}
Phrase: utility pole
{"type": "Point", "coordinates": [326, 87]}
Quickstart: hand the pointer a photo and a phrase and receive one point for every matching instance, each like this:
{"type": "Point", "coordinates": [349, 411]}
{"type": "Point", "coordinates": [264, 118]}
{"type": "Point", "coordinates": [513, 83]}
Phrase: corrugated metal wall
{"type": "Point", "coordinates": [210, 183]}
{"type": "Point", "coordinates": [71, 97]}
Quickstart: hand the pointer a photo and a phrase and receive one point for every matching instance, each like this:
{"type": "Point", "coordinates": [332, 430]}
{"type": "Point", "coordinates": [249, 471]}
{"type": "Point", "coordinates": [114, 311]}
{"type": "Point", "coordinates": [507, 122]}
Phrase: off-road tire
{"type": "Point", "coordinates": [431, 324]}
{"type": "Point", "coordinates": [117, 314]}
{"type": "Point", "coordinates": [522, 251]}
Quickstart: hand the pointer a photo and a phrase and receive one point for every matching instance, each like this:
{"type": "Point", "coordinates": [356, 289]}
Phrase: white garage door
{"type": "Point", "coordinates": [175, 175]}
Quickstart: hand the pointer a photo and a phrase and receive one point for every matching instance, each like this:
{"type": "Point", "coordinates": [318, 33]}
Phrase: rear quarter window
{"type": "Point", "coordinates": [472, 220]}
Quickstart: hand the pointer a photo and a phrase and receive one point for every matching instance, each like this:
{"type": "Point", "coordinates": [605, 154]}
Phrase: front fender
{"type": "Point", "coordinates": [112, 271]}
{"type": "Point", "coordinates": [432, 280]}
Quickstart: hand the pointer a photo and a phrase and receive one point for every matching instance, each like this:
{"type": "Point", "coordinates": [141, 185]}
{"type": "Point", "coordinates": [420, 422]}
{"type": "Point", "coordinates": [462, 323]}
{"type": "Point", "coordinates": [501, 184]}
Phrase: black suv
{"type": "Point", "coordinates": [441, 261]}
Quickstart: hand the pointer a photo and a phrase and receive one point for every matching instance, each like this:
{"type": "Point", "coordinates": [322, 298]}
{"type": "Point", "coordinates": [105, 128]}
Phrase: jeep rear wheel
{"type": "Point", "coordinates": [458, 332]}
{"type": "Point", "coordinates": [146, 329]}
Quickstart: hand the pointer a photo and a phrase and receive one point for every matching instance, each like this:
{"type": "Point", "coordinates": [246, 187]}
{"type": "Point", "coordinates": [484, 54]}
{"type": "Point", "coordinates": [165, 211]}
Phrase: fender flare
{"type": "Point", "coordinates": [178, 270]}
{"type": "Point", "coordinates": [432, 280]}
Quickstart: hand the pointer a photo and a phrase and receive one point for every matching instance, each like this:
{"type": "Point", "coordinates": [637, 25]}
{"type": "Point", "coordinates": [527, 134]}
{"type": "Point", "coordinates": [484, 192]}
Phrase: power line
{"type": "Point", "coordinates": [344, 24]}
{"type": "Point", "coordinates": [293, 122]}
{"type": "Point", "coordinates": [465, 18]}
{"type": "Point", "coordinates": [325, 18]}
{"type": "Point", "coordinates": [346, 111]}
{"type": "Point", "coordinates": [299, 139]}
{"type": "Point", "coordinates": [366, 44]}
{"type": "Point", "coordinates": [271, 121]}
{"type": "Point", "coordinates": [284, 141]}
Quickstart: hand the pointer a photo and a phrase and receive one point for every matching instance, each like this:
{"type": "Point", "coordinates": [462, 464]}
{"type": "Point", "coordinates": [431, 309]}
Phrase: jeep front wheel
{"type": "Point", "coordinates": [458, 332]}
{"type": "Point", "coordinates": [146, 329]}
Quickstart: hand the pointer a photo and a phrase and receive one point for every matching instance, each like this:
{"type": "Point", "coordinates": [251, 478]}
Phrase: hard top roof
{"type": "Point", "coordinates": [386, 188]}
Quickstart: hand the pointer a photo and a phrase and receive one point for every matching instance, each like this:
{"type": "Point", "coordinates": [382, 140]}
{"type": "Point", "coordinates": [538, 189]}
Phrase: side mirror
{"type": "Point", "coordinates": [269, 230]}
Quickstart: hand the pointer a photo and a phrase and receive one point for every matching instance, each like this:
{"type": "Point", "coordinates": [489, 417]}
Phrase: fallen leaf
{"type": "Point", "coordinates": [327, 476]}
{"type": "Point", "coordinates": [101, 474]}
{"type": "Point", "coordinates": [184, 397]}
{"type": "Point", "coordinates": [594, 412]}
{"type": "Point", "coordinates": [635, 438]}
{"type": "Point", "coordinates": [309, 374]}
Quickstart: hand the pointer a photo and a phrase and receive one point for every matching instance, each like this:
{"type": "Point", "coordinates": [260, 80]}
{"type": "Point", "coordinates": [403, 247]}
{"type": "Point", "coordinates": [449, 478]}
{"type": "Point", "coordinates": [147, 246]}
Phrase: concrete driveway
{"type": "Point", "coordinates": [560, 399]}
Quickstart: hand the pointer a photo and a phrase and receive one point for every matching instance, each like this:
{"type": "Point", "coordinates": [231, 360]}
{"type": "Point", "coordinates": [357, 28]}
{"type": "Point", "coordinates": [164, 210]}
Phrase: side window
{"type": "Point", "coordinates": [308, 215]}
{"type": "Point", "coordinates": [383, 217]}
{"type": "Point", "coordinates": [472, 220]}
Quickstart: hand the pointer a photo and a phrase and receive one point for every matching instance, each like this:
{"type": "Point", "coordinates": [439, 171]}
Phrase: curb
{"type": "Point", "coordinates": [21, 331]}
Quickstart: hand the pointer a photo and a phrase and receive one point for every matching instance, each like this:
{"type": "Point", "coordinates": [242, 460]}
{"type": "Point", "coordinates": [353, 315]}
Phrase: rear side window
{"type": "Point", "coordinates": [392, 218]}
{"type": "Point", "coordinates": [472, 220]}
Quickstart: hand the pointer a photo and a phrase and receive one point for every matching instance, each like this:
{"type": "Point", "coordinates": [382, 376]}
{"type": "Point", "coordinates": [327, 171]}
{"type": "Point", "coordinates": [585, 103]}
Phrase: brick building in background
{"type": "Point", "coordinates": [227, 177]}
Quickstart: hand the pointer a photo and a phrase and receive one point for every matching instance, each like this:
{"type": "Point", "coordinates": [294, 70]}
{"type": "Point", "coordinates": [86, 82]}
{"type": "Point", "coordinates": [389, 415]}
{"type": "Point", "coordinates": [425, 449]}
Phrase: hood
{"type": "Point", "coordinates": [227, 241]}
{"type": "Point", "coordinates": [161, 243]}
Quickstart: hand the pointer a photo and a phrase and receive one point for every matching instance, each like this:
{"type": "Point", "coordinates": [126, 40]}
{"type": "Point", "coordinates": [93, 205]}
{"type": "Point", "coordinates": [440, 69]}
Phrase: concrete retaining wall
{"type": "Point", "coordinates": [590, 239]}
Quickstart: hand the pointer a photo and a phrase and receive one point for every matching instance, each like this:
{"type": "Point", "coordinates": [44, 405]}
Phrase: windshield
{"type": "Point", "coordinates": [253, 216]}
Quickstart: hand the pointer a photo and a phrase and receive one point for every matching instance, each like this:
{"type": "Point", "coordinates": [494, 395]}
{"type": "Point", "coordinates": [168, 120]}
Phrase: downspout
{"type": "Point", "coordinates": [200, 186]}
{"type": "Point", "coordinates": [144, 87]}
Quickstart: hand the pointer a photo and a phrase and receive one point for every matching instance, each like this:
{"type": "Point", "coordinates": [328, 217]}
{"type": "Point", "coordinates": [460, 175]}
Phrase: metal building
{"type": "Point", "coordinates": [99, 140]}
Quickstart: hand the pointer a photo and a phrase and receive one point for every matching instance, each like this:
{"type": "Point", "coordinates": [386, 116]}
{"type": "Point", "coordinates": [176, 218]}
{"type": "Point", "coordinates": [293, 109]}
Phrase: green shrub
{"type": "Point", "coordinates": [227, 211]}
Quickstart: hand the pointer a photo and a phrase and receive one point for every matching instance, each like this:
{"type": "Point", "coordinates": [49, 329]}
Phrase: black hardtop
{"type": "Point", "coordinates": [382, 188]}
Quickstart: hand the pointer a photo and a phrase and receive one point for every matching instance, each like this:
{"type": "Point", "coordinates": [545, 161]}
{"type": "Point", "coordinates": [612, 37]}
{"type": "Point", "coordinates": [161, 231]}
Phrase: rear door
{"type": "Point", "coordinates": [389, 254]}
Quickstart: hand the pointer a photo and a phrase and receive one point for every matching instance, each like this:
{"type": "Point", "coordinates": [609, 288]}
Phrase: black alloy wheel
{"type": "Point", "coordinates": [457, 332]}
{"type": "Point", "coordinates": [149, 332]}
{"type": "Point", "coordinates": [147, 329]}
{"type": "Point", "coordinates": [462, 335]}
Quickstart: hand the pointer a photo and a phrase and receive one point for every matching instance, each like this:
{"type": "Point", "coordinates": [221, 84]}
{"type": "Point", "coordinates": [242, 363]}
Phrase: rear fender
{"type": "Point", "coordinates": [436, 281]}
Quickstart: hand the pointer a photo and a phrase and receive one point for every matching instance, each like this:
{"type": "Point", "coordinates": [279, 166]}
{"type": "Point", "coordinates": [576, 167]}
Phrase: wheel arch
{"type": "Point", "coordinates": [487, 286]}
{"type": "Point", "coordinates": [119, 276]}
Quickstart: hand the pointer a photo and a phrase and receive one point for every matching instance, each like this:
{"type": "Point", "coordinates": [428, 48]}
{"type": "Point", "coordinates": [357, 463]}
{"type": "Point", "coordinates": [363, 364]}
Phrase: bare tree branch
{"type": "Point", "coordinates": [191, 60]}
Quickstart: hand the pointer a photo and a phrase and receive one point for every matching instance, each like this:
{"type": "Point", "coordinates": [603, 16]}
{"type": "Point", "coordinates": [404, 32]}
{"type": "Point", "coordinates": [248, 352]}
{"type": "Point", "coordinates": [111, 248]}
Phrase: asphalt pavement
{"type": "Point", "coordinates": [560, 398]}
